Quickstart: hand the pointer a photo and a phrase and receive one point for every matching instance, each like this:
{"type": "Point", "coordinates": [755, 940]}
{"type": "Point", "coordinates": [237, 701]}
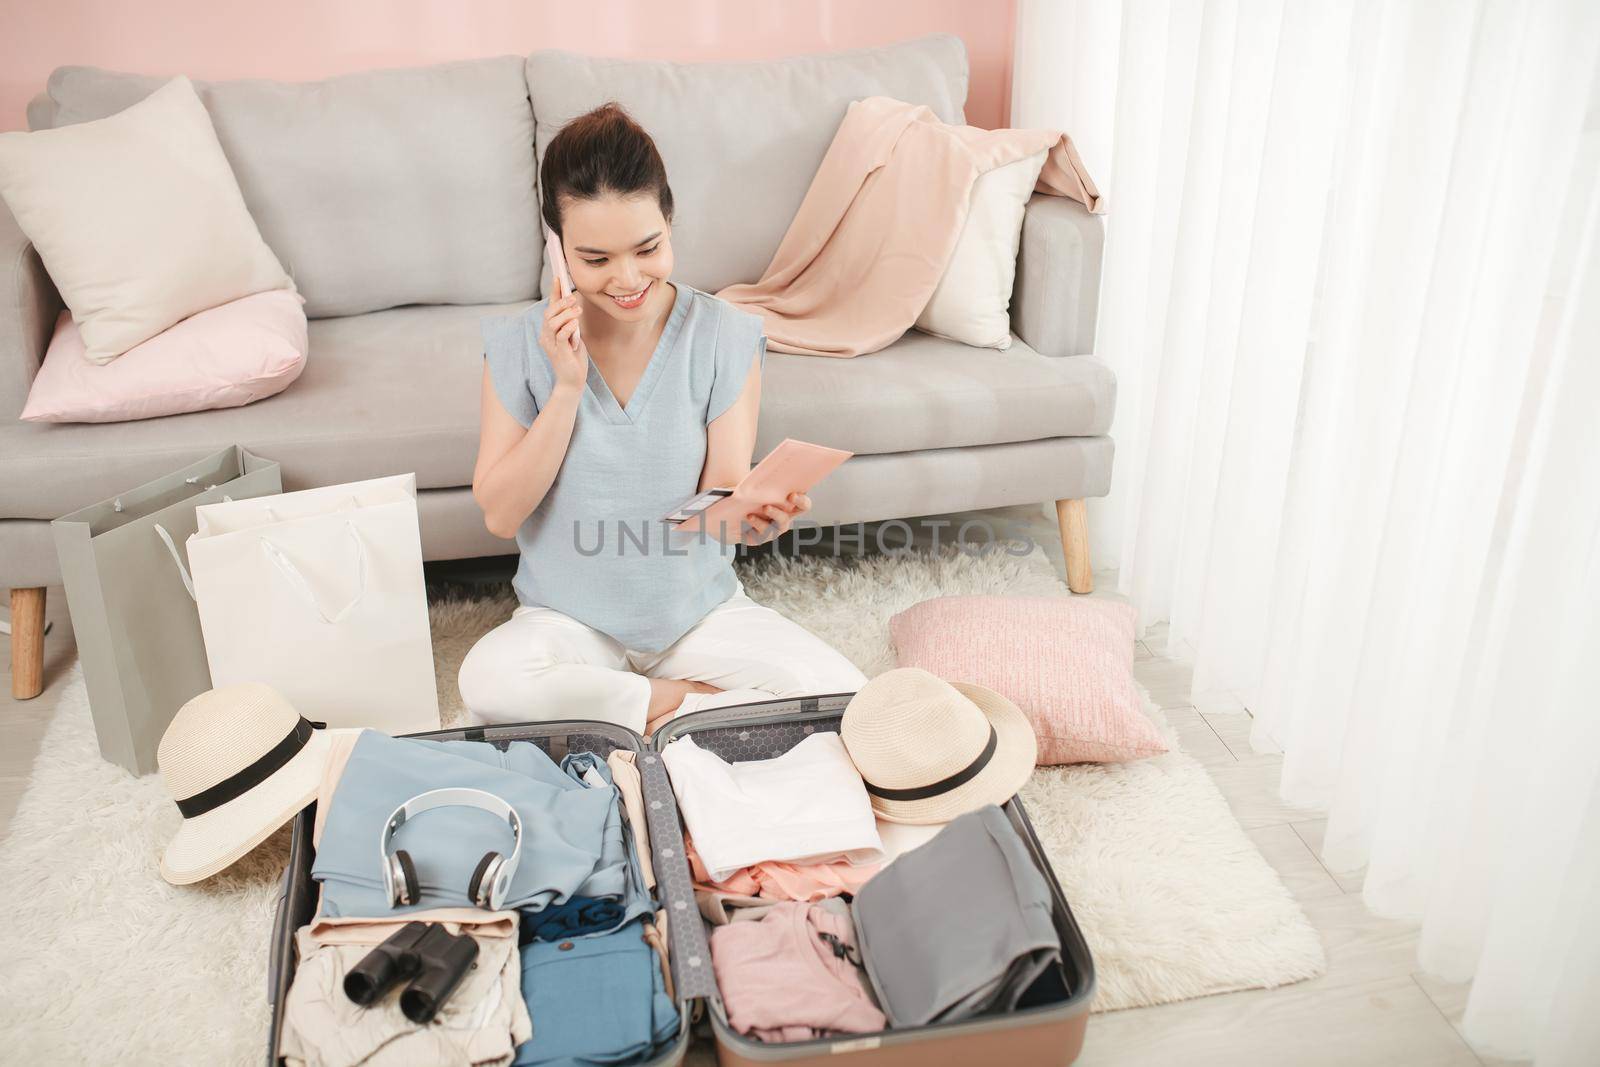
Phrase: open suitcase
{"type": "Point", "coordinates": [688, 950]}
{"type": "Point", "coordinates": [1049, 1033]}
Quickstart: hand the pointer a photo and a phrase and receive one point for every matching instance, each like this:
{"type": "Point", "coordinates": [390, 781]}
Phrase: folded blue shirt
{"type": "Point", "coordinates": [564, 825]}
{"type": "Point", "coordinates": [596, 1000]}
{"type": "Point", "coordinates": [610, 878]}
{"type": "Point", "coordinates": [618, 876]}
{"type": "Point", "coordinates": [578, 917]}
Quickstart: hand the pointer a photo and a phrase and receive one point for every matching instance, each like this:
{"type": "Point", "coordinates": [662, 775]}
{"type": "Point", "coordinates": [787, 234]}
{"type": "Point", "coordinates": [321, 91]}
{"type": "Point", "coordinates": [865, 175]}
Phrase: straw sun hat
{"type": "Point", "coordinates": [240, 762]}
{"type": "Point", "coordinates": [930, 750]}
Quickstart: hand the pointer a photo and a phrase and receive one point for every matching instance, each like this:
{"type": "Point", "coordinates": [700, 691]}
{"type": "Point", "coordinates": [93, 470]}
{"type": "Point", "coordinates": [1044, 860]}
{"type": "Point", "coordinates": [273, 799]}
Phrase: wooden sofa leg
{"type": "Point", "coordinates": [1074, 522]}
{"type": "Point", "coordinates": [27, 642]}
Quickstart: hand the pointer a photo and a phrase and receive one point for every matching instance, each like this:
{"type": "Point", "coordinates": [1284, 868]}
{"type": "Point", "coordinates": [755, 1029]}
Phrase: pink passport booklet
{"type": "Point", "coordinates": [792, 467]}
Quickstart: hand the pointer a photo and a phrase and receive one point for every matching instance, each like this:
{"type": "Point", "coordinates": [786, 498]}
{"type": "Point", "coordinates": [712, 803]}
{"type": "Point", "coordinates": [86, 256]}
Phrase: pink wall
{"type": "Point", "coordinates": [306, 39]}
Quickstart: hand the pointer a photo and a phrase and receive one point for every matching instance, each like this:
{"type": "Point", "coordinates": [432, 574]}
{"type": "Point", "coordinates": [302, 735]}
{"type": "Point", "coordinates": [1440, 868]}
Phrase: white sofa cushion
{"type": "Point", "coordinates": [137, 218]}
{"type": "Point", "coordinates": [972, 302]}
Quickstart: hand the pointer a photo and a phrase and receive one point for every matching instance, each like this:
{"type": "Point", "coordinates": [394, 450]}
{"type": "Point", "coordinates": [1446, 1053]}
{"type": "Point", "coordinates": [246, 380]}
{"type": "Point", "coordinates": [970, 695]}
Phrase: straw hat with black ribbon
{"type": "Point", "coordinates": [930, 750]}
{"type": "Point", "coordinates": [240, 762]}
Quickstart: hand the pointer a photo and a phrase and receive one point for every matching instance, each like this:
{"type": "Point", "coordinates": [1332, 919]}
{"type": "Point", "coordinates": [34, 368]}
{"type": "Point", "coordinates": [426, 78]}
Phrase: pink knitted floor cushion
{"type": "Point", "coordinates": [1068, 664]}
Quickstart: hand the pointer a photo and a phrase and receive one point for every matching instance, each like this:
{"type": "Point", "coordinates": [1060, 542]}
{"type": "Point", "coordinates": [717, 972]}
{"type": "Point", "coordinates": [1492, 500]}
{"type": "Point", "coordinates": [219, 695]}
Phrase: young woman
{"type": "Point", "coordinates": [603, 411]}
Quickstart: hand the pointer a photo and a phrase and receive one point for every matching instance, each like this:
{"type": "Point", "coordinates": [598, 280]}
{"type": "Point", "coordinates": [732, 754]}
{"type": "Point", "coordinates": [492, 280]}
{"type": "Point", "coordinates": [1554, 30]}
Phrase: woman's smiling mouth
{"type": "Point", "coordinates": [632, 300]}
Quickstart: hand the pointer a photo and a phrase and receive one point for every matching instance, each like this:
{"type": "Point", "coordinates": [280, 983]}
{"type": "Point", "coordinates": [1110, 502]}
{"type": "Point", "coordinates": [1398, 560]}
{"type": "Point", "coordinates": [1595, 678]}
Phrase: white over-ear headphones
{"type": "Point", "coordinates": [491, 881]}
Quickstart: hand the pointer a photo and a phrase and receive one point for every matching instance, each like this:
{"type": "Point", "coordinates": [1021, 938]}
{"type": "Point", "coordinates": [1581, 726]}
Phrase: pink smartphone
{"type": "Point", "coordinates": [558, 270]}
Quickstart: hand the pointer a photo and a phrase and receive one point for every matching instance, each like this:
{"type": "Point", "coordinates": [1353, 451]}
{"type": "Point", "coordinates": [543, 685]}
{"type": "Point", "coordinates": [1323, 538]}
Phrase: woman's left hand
{"type": "Point", "coordinates": [773, 520]}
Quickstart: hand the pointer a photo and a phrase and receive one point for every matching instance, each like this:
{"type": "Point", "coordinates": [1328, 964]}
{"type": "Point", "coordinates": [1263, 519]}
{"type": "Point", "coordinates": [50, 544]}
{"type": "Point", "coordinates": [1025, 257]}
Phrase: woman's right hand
{"type": "Point", "coordinates": [571, 361]}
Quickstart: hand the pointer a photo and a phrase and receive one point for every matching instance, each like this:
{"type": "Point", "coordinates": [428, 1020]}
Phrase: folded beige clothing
{"type": "Point", "coordinates": [625, 776]}
{"type": "Point", "coordinates": [340, 744]}
{"type": "Point", "coordinates": [655, 934]}
{"type": "Point", "coordinates": [353, 930]}
{"type": "Point", "coordinates": [482, 1023]}
{"type": "Point", "coordinates": [899, 838]}
{"type": "Point", "coordinates": [718, 907]}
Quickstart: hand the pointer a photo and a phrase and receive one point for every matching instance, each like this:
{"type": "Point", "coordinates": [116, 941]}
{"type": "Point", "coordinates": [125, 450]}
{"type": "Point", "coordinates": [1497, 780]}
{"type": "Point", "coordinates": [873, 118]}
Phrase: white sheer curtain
{"type": "Point", "coordinates": [1352, 297]}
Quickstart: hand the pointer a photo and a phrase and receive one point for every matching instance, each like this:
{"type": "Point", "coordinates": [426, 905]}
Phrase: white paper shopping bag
{"type": "Point", "coordinates": [320, 595]}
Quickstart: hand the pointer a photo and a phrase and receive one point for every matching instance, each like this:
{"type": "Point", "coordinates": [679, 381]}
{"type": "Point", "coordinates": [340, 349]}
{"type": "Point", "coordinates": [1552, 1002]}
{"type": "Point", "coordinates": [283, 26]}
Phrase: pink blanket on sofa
{"type": "Point", "coordinates": [878, 225]}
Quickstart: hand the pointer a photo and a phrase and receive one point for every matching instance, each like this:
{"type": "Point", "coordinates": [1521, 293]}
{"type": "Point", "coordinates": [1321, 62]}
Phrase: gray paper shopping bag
{"type": "Point", "coordinates": [134, 617]}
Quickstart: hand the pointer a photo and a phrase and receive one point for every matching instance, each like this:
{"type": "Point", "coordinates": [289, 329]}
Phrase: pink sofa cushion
{"type": "Point", "coordinates": [1068, 664]}
{"type": "Point", "coordinates": [223, 357]}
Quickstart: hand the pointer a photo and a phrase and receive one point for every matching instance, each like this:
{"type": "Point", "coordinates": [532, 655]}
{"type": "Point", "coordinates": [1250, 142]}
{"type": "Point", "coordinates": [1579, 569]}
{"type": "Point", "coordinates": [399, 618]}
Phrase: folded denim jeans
{"type": "Point", "coordinates": [596, 1000]}
{"type": "Point", "coordinates": [578, 917]}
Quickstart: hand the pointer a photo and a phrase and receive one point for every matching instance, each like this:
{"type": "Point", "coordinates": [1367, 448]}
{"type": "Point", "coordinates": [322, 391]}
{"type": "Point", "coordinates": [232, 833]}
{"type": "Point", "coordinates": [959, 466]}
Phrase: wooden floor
{"type": "Point", "coordinates": [1372, 1007]}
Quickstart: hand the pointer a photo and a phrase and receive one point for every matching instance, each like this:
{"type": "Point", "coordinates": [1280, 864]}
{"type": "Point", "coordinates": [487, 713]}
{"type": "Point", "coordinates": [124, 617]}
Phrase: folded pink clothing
{"type": "Point", "coordinates": [880, 221]}
{"type": "Point", "coordinates": [782, 881]}
{"type": "Point", "coordinates": [795, 975]}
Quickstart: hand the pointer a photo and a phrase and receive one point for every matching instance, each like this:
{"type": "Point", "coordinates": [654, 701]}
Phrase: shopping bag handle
{"type": "Point", "coordinates": [298, 583]}
{"type": "Point", "coordinates": [183, 572]}
{"type": "Point", "coordinates": [350, 504]}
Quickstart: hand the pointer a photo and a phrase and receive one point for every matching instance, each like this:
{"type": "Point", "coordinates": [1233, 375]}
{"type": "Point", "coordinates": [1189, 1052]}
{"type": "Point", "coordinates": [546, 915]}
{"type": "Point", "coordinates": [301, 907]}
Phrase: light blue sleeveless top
{"type": "Point", "coordinates": [595, 548]}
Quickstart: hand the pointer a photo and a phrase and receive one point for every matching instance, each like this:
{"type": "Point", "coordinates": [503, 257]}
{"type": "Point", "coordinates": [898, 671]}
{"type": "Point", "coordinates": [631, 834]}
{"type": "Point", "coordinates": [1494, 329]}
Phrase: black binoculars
{"type": "Point", "coordinates": [433, 959]}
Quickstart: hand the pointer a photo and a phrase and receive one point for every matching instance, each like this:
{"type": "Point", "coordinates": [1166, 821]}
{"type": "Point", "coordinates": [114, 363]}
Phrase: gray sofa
{"type": "Point", "coordinates": [403, 202]}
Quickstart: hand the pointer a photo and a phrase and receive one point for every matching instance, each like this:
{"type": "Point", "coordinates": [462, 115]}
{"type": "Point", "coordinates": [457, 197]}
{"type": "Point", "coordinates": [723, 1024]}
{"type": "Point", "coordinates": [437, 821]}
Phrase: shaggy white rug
{"type": "Point", "coordinates": [103, 962]}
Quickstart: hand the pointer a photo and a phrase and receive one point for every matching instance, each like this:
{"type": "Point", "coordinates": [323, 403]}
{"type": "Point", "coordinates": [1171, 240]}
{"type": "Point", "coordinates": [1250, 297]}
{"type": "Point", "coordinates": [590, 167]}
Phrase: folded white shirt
{"type": "Point", "coordinates": [900, 837]}
{"type": "Point", "coordinates": [806, 806]}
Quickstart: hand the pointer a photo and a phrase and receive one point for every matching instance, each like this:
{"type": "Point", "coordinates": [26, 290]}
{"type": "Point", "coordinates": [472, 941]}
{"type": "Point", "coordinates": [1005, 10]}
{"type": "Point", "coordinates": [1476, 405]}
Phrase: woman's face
{"type": "Point", "coordinates": [619, 251]}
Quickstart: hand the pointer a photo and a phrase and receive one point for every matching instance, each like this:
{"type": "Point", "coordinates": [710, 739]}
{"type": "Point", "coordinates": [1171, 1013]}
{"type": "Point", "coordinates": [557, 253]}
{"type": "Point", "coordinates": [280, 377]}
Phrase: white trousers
{"type": "Point", "coordinates": [542, 665]}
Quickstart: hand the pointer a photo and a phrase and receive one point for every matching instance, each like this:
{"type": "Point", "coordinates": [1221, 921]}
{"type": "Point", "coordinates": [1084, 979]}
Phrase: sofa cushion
{"type": "Point", "coordinates": [389, 187]}
{"type": "Point", "coordinates": [1067, 662]}
{"type": "Point", "coordinates": [224, 357]}
{"type": "Point", "coordinates": [167, 238]}
{"type": "Point", "coordinates": [741, 141]}
{"type": "Point", "coordinates": [384, 393]}
{"type": "Point", "coordinates": [928, 392]}
{"type": "Point", "coordinates": [398, 390]}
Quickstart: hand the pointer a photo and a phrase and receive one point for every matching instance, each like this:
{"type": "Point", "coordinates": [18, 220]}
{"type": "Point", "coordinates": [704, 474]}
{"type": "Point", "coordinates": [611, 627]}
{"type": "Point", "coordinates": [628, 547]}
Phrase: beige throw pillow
{"type": "Point", "coordinates": [137, 218]}
{"type": "Point", "coordinates": [972, 302]}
